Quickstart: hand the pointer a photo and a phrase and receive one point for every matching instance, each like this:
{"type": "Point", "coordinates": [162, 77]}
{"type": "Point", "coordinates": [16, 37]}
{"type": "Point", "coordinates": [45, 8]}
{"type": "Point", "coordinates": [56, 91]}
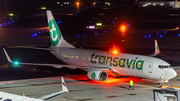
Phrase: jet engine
{"type": "Point", "coordinates": [97, 75]}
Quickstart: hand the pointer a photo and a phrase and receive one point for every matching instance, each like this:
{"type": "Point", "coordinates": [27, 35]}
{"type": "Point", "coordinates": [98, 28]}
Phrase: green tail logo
{"type": "Point", "coordinates": [55, 34]}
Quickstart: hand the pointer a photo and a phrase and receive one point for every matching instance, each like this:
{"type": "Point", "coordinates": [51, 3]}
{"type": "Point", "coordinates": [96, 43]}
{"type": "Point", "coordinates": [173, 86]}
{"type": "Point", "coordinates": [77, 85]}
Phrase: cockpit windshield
{"type": "Point", "coordinates": [163, 66]}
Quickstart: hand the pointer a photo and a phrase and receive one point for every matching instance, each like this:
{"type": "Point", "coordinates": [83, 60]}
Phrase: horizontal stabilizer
{"type": "Point", "coordinates": [49, 49]}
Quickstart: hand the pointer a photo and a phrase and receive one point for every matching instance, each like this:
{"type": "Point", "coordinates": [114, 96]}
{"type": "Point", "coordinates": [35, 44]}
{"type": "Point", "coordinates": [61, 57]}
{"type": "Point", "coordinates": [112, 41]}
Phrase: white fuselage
{"type": "Point", "coordinates": [122, 63]}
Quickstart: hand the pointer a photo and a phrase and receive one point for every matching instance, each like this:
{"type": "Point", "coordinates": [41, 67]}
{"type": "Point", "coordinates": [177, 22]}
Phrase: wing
{"type": "Point", "coordinates": [52, 95]}
{"type": "Point", "coordinates": [55, 65]}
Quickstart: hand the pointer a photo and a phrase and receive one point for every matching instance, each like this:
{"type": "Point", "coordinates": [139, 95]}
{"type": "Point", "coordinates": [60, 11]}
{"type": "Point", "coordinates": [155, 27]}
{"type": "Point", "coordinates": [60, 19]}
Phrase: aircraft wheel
{"type": "Point", "coordinates": [159, 85]}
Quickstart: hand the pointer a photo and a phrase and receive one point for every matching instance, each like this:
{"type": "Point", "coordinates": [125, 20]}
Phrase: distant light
{"type": "Point", "coordinates": [67, 3]}
{"type": "Point", "coordinates": [164, 31]}
{"type": "Point", "coordinates": [77, 3]}
{"type": "Point", "coordinates": [149, 35]}
{"type": "Point", "coordinates": [161, 36]}
{"type": "Point", "coordinates": [64, 2]}
{"type": "Point", "coordinates": [61, 4]}
{"type": "Point", "coordinates": [57, 2]}
{"type": "Point", "coordinates": [127, 25]}
{"type": "Point", "coordinates": [43, 30]}
{"type": "Point", "coordinates": [95, 32]}
{"type": "Point", "coordinates": [157, 33]}
{"type": "Point", "coordinates": [177, 28]}
{"type": "Point", "coordinates": [77, 35]}
{"type": "Point", "coordinates": [123, 28]}
{"type": "Point", "coordinates": [43, 7]}
{"type": "Point", "coordinates": [0, 24]}
{"type": "Point", "coordinates": [4, 17]}
{"type": "Point", "coordinates": [154, 4]}
{"type": "Point", "coordinates": [91, 27]}
{"type": "Point", "coordinates": [39, 31]}
{"type": "Point", "coordinates": [161, 4]}
{"type": "Point", "coordinates": [93, 17]}
{"type": "Point", "coordinates": [113, 21]}
{"type": "Point", "coordinates": [99, 24]}
{"type": "Point", "coordinates": [10, 14]}
{"type": "Point", "coordinates": [145, 36]}
{"type": "Point", "coordinates": [105, 31]}
{"type": "Point", "coordinates": [12, 21]}
{"type": "Point", "coordinates": [35, 34]}
{"type": "Point", "coordinates": [84, 34]}
{"type": "Point", "coordinates": [9, 22]}
{"type": "Point", "coordinates": [4, 23]}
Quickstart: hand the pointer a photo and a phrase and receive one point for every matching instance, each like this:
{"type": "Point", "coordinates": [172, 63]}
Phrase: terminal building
{"type": "Point", "coordinates": [167, 4]}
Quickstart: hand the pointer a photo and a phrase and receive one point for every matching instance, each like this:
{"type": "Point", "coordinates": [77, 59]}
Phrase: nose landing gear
{"type": "Point", "coordinates": [159, 85]}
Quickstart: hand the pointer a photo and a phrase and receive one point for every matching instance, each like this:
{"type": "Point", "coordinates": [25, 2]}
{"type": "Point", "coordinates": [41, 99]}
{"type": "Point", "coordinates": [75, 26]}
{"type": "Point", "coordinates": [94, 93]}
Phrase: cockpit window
{"type": "Point", "coordinates": [162, 66]}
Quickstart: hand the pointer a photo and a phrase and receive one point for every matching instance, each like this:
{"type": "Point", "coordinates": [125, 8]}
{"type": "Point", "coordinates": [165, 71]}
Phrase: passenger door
{"type": "Point", "coordinates": [150, 68]}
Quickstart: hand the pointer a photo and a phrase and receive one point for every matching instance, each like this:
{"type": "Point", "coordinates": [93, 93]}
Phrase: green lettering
{"type": "Point", "coordinates": [96, 57]}
{"type": "Point", "coordinates": [134, 63]}
{"type": "Point", "coordinates": [139, 65]}
{"type": "Point", "coordinates": [107, 60]}
{"type": "Point", "coordinates": [102, 62]}
{"type": "Point", "coordinates": [129, 64]}
{"type": "Point", "coordinates": [123, 61]}
{"type": "Point", "coordinates": [114, 61]}
{"type": "Point", "coordinates": [92, 55]}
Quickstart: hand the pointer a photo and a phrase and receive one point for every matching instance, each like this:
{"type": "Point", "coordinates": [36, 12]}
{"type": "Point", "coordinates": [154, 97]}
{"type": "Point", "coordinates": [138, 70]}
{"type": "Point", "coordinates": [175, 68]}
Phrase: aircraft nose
{"type": "Point", "coordinates": [173, 73]}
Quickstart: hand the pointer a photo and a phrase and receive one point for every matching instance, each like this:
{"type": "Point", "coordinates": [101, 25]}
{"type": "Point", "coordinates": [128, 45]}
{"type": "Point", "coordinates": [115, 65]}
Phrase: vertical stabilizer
{"type": "Point", "coordinates": [56, 37]}
{"type": "Point", "coordinates": [157, 50]}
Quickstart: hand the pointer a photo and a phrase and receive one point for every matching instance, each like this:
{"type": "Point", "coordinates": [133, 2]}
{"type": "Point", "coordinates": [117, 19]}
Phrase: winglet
{"type": "Point", "coordinates": [52, 95]}
{"type": "Point", "coordinates": [157, 51]}
{"type": "Point", "coordinates": [64, 89]}
{"type": "Point", "coordinates": [7, 56]}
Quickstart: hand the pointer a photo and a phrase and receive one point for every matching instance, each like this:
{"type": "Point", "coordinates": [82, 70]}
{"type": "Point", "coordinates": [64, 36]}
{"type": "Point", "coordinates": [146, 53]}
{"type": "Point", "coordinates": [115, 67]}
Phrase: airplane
{"type": "Point", "coordinates": [4, 96]}
{"type": "Point", "coordinates": [97, 63]}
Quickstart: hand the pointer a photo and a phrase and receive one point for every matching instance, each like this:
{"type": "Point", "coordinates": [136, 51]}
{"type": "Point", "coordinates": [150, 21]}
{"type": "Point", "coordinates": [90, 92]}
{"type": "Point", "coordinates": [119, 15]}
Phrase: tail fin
{"type": "Point", "coordinates": [56, 37]}
{"type": "Point", "coordinates": [157, 50]}
{"type": "Point", "coordinates": [64, 89]}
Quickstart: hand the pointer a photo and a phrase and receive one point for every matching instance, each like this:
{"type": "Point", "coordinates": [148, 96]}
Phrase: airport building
{"type": "Point", "coordinates": [167, 4]}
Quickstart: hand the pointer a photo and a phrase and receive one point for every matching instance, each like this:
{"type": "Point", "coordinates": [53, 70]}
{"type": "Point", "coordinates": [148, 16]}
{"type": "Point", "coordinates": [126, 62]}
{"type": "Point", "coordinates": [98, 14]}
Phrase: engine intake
{"type": "Point", "coordinates": [97, 75]}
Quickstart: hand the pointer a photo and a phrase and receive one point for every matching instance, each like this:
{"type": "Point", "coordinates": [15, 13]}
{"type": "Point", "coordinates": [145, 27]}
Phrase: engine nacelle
{"type": "Point", "coordinates": [97, 75]}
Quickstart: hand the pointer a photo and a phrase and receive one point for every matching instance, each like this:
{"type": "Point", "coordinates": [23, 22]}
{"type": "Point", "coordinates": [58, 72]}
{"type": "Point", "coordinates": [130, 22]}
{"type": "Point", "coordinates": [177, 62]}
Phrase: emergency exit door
{"type": "Point", "coordinates": [150, 68]}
